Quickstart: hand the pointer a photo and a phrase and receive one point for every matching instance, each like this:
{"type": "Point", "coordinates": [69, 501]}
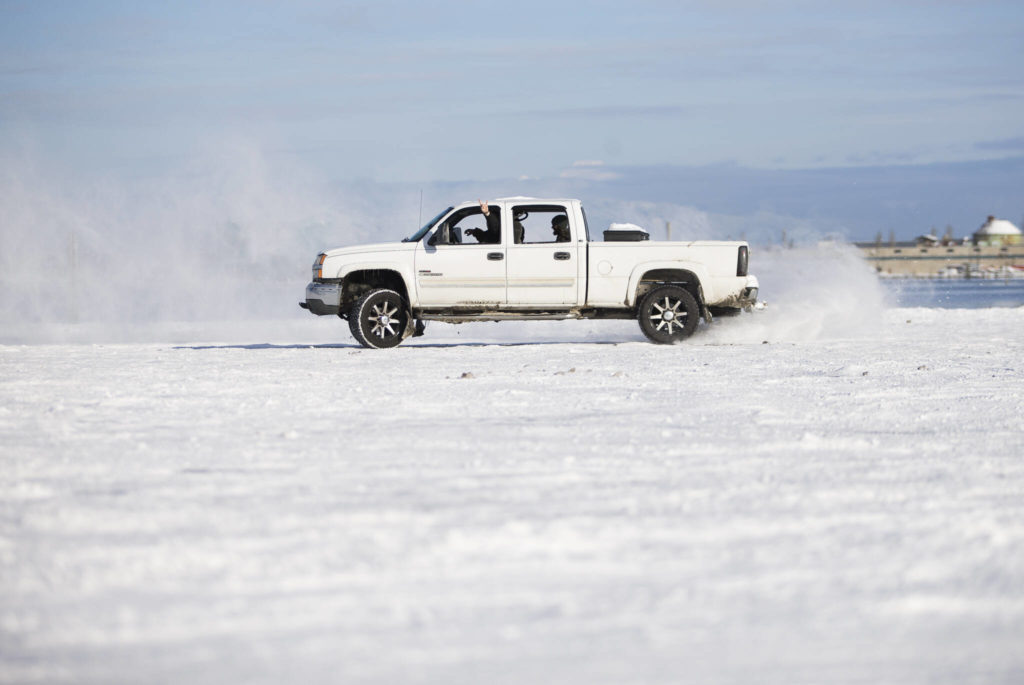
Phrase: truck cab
{"type": "Point", "coordinates": [512, 259]}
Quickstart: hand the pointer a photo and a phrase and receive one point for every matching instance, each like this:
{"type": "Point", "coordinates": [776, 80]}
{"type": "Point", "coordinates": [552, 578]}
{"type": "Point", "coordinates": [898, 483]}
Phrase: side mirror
{"type": "Point", "coordinates": [446, 235]}
{"type": "Point", "coordinates": [440, 236]}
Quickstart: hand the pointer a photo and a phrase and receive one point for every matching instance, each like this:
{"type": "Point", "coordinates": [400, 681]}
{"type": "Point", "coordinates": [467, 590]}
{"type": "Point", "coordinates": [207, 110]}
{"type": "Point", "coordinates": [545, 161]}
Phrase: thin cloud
{"type": "Point", "coordinates": [1002, 145]}
{"type": "Point", "coordinates": [877, 157]}
{"type": "Point", "coordinates": [589, 170]}
{"type": "Point", "coordinates": [611, 111]}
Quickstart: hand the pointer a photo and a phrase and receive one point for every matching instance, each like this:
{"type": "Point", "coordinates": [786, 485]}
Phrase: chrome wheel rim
{"type": "Point", "coordinates": [382, 319]}
{"type": "Point", "coordinates": [668, 315]}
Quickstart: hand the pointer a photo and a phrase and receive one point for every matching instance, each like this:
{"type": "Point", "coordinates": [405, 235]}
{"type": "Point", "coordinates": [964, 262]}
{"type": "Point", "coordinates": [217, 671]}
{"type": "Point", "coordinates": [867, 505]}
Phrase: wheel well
{"type": "Point", "coordinates": [681, 277]}
{"type": "Point", "coordinates": [357, 283]}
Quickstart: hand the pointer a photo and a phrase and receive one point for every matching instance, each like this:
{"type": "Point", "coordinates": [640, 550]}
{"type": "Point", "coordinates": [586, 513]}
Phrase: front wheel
{"type": "Point", "coordinates": [668, 314]}
{"type": "Point", "coordinates": [379, 318]}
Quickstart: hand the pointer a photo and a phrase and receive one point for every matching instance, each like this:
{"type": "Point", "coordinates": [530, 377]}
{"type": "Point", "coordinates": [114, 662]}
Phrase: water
{"type": "Point", "coordinates": [955, 293]}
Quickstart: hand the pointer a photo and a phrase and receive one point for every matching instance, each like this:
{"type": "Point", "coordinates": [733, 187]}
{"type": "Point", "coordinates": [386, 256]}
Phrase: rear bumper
{"type": "Point", "coordinates": [750, 291]}
{"type": "Point", "coordinates": [322, 298]}
{"type": "Point", "coordinates": [745, 299]}
{"type": "Point", "coordinates": [748, 296]}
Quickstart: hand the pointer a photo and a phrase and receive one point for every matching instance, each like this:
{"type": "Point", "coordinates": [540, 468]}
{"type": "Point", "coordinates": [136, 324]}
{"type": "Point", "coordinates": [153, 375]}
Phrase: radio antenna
{"type": "Point", "coordinates": [420, 222]}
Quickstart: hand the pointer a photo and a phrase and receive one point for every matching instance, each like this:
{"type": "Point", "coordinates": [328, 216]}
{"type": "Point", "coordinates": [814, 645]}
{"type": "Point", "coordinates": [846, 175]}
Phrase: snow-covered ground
{"type": "Point", "coordinates": [780, 500]}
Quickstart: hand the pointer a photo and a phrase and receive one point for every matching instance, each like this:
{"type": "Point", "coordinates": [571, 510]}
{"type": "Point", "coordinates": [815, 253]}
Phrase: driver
{"type": "Point", "coordinates": [493, 232]}
{"type": "Point", "coordinates": [560, 227]}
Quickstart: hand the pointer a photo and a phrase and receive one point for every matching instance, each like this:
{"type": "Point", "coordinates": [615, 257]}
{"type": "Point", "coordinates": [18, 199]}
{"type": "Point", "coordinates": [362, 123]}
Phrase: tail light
{"type": "Point", "coordinates": [741, 261]}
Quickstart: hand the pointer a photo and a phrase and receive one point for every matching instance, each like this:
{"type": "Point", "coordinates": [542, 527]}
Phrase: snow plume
{"type": "Point", "coordinates": [228, 235]}
{"type": "Point", "coordinates": [817, 288]}
{"type": "Point", "coordinates": [821, 292]}
{"type": "Point", "coordinates": [227, 238]}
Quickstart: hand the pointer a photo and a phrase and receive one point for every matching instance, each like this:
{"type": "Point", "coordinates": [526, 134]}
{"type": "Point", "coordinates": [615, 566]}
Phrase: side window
{"type": "Point", "coordinates": [469, 226]}
{"type": "Point", "coordinates": [538, 224]}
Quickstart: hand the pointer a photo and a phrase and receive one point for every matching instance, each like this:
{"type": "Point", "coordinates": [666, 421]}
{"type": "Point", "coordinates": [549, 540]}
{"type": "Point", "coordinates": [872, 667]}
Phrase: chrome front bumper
{"type": "Point", "coordinates": [322, 298]}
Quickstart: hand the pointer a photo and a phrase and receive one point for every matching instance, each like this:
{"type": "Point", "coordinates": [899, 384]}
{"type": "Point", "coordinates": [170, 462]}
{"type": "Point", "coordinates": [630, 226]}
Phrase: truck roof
{"type": "Point", "coordinates": [563, 200]}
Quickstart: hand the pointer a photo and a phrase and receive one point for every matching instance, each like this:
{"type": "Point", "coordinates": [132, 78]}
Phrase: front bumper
{"type": "Point", "coordinates": [322, 298]}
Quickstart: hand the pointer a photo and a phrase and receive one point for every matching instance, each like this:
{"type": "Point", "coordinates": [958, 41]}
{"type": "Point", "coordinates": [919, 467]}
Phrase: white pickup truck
{"type": "Point", "coordinates": [526, 258]}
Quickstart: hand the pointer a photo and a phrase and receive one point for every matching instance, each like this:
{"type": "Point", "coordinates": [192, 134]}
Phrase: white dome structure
{"type": "Point", "coordinates": [997, 232]}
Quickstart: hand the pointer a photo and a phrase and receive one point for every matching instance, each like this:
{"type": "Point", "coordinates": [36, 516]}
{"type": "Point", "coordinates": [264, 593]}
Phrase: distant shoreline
{"type": "Point", "coordinates": [959, 277]}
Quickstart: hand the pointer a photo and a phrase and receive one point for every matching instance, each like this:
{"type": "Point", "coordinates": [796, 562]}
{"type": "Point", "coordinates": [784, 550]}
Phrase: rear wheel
{"type": "Point", "coordinates": [379, 318]}
{"type": "Point", "coordinates": [668, 314]}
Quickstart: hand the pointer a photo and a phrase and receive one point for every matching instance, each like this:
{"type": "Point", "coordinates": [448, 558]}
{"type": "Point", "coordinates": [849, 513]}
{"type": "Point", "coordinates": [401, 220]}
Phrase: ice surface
{"type": "Point", "coordinates": [813, 495]}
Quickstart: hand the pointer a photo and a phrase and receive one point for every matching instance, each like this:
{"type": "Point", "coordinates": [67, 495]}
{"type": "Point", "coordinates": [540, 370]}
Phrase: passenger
{"type": "Point", "coordinates": [518, 230]}
{"type": "Point", "coordinates": [560, 227]}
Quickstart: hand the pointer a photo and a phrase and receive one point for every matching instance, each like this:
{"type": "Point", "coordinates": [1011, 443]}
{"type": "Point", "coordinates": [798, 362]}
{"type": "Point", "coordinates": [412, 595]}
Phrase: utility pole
{"type": "Point", "coordinates": [668, 231]}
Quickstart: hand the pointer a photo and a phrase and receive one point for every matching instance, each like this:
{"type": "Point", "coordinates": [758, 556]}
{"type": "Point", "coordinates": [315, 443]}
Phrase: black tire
{"type": "Point", "coordinates": [379, 318]}
{"type": "Point", "coordinates": [668, 314]}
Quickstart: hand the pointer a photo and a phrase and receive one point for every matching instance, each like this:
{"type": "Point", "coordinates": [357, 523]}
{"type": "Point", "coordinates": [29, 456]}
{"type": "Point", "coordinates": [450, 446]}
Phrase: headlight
{"type": "Point", "coordinates": [318, 266]}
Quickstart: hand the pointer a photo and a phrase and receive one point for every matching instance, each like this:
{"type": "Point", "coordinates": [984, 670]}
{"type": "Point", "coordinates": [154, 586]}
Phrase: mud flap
{"type": "Point", "coordinates": [413, 328]}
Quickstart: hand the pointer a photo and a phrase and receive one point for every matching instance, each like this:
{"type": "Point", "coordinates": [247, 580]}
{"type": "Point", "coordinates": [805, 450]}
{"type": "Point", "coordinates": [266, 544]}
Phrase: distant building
{"type": "Point", "coordinates": [997, 232]}
{"type": "Point", "coordinates": [994, 250]}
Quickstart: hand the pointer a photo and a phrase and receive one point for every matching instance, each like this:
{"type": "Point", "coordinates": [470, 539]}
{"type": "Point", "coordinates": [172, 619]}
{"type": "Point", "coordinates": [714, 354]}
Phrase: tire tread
{"type": "Point", "coordinates": [355, 318]}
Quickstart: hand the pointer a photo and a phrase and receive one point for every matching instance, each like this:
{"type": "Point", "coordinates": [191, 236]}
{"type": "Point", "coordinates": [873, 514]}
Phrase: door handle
{"type": "Point", "coordinates": [495, 256]}
{"type": "Point", "coordinates": [561, 256]}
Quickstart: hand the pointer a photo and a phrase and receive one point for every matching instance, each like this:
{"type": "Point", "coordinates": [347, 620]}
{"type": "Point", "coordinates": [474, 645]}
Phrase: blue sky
{"type": "Point", "coordinates": [414, 91]}
{"type": "Point", "coordinates": [844, 117]}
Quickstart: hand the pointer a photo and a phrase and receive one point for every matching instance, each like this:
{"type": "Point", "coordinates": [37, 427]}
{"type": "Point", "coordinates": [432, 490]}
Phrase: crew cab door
{"type": "Point", "coordinates": [543, 266]}
{"type": "Point", "coordinates": [462, 261]}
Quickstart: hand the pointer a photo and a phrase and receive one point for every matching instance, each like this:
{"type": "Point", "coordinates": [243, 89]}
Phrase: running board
{"type": "Point", "coordinates": [459, 317]}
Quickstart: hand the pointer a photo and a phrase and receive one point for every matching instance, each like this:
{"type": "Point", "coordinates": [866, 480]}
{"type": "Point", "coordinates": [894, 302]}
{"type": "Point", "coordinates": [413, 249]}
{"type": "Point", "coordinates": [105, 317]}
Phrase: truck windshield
{"type": "Point", "coordinates": [415, 237]}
